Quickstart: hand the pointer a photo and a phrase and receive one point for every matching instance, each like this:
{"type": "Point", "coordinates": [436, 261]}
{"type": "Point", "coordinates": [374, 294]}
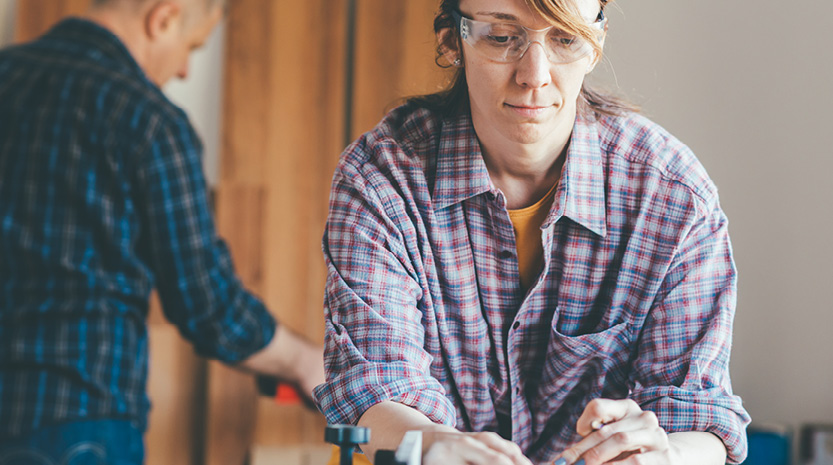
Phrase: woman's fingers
{"type": "Point", "coordinates": [605, 411]}
{"type": "Point", "coordinates": [508, 448]}
{"type": "Point", "coordinates": [638, 432]}
{"type": "Point", "coordinates": [627, 444]}
{"type": "Point", "coordinates": [473, 449]}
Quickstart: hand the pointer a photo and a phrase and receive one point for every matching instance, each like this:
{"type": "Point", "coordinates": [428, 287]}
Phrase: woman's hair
{"type": "Point", "coordinates": [563, 14]}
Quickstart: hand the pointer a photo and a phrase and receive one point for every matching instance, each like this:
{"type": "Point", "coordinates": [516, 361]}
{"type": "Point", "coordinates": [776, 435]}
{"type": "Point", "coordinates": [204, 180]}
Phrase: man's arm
{"type": "Point", "coordinates": [290, 357]}
{"type": "Point", "coordinates": [193, 270]}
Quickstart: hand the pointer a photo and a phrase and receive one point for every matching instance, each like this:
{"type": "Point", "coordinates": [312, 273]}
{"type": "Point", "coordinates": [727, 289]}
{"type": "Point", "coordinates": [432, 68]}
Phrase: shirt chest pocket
{"type": "Point", "coordinates": [579, 368]}
{"type": "Point", "coordinates": [593, 364]}
{"type": "Point", "coordinates": [576, 349]}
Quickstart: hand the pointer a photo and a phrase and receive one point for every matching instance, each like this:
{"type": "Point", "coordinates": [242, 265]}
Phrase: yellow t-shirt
{"type": "Point", "coordinates": [527, 222]}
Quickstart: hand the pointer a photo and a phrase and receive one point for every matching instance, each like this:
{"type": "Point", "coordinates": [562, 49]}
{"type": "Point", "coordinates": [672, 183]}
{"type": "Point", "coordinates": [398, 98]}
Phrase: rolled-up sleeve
{"type": "Point", "coordinates": [682, 367]}
{"type": "Point", "coordinates": [374, 332]}
{"type": "Point", "coordinates": [198, 288]}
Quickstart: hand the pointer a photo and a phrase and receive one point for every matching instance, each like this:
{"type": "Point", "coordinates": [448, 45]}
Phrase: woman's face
{"type": "Point", "coordinates": [530, 101]}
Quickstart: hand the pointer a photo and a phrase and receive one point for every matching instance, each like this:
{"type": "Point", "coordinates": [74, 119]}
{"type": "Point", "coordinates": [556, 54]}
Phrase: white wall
{"type": "Point", "coordinates": [747, 85]}
{"type": "Point", "coordinates": [200, 95]}
{"type": "Point", "coordinates": [7, 11]}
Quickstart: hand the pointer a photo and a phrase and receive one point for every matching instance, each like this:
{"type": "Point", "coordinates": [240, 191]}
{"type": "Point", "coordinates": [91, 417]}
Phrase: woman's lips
{"type": "Point", "coordinates": [527, 111]}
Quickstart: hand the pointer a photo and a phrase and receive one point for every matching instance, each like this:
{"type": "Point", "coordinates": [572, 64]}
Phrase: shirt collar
{"type": "Point", "coordinates": [581, 192]}
{"type": "Point", "coordinates": [98, 40]}
{"type": "Point", "coordinates": [462, 173]}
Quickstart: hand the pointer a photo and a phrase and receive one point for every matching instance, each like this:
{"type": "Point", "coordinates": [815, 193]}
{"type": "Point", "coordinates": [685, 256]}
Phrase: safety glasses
{"type": "Point", "coordinates": [507, 42]}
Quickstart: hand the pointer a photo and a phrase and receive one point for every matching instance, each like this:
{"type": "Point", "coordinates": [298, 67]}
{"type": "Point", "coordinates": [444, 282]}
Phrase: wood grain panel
{"type": "Point", "coordinates": [34, 17]}
{"type": "Point", "coordinates": [283, 126]}
{"type": "Point", "coordinates": [232, 397]}
{"type": "Point", "coordinates": [176, 388]}
{"type": "Point", "coordinates": [394, 57]}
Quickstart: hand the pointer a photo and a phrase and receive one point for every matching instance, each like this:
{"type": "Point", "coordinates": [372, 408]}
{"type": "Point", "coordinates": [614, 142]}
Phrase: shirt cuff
{"type": "Point", "coordinates": [243, 329]}
{"type": "Point", "coordinates": [344, 399]}
{"type": "Point", "coordinates": [713, 411]}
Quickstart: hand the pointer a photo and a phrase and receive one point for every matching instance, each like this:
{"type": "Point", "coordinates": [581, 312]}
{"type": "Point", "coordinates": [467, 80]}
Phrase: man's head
{"type": "Point", "coordinates": [160, 34]}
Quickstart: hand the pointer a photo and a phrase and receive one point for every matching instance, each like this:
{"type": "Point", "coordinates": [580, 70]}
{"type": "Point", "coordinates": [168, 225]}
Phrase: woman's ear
{"type": "Point", "coordinates": [450, 47]}
{"type": "Point", "coordinates": [597, 56]}
{"type": "Point", "coordinates": [593, 62]}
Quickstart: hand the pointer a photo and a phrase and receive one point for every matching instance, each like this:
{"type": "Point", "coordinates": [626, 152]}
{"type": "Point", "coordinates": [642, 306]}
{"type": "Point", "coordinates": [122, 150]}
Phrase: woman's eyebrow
{"type": "Point", "coordinates": [498, 15]}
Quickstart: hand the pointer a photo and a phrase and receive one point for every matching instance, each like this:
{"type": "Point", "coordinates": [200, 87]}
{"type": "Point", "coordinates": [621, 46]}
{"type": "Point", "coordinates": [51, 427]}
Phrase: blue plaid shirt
{"type": "Point", "coordinates": [102, 199]}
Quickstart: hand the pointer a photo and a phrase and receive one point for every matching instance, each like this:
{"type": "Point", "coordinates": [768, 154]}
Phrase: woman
{"type": "Point", "coordinates": [525, 269]}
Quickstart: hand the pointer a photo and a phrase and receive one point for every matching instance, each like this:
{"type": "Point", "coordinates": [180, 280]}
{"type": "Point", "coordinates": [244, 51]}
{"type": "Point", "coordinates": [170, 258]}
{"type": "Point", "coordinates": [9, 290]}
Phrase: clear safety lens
{"type": "Point", "coordinates": [507, 42]}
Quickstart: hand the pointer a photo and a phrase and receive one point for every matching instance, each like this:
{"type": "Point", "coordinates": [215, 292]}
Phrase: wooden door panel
{"type": "Point", "coordinates": [394, 57]}
{"type": "Point", "coordinates": [34, 17]}
{"type": "Point", "coordinates": [283, 132]}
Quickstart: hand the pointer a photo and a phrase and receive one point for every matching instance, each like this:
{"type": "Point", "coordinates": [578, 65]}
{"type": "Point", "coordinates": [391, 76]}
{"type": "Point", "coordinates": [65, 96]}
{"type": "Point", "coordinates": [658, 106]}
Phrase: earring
{"type": "Point", "coordinates": [458, 63]}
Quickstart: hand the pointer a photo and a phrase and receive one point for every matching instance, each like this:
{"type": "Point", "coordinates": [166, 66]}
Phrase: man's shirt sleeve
{"type": "Point", "coordinates": [195, 277]}
{"type": "Point", "coordinates": [682, 367]}
{"type": "Point", "coordinates": [374, 333]}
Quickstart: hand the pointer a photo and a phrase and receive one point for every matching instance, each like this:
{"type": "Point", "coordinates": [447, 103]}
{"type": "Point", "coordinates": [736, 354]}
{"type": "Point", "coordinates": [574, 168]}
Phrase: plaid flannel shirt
{"type": "Point", "coordinates": [102, 199]}
{"type": "Point", "coordinates": [424, 304]}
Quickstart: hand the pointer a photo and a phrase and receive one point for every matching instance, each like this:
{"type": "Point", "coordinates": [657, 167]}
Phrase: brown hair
{"type": "Point", "coordinates": [453, 99]}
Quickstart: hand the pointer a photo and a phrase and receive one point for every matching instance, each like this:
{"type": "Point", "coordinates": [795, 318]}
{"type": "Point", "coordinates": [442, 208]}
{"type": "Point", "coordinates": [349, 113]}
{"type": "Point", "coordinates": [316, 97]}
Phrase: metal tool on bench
{"type": "Point", "coordinates": [347, 437]}
{"type": "Point", "coordinates": [409, 451]}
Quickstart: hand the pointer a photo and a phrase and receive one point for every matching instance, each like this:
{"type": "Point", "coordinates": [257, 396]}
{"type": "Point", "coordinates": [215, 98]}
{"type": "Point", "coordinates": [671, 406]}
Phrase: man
{"type": "Point", "coordinates": [102, 198]}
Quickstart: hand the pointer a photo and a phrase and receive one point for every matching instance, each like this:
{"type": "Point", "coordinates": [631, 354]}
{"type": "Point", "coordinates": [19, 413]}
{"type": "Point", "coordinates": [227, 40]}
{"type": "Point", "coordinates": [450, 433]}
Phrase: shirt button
{"type": "Point", "coordinates": [518, 390]}
{"type": "Point", "coordinates": [505, 255]}
{"type": "Point", "coordinates": [516, 325]}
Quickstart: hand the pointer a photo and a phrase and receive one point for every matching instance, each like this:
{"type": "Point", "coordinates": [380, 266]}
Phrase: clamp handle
{"type": "Point", "coordinates": [346, 437]}
{"type": "Point", "coordinates": [409, 451]}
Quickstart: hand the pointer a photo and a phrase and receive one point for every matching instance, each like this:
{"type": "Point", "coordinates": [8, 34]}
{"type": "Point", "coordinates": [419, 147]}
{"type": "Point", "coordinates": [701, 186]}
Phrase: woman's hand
{"type": "Point", "coordinates": [441, 444]}
{"type": "Point", "coordinates": [442, 448]}
{"type": "Point", "coordinates": [620, 432]}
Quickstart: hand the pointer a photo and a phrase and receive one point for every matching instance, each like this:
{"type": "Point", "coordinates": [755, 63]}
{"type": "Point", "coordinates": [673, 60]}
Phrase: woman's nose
{"type": "Point", "coordinates": [533, 68]}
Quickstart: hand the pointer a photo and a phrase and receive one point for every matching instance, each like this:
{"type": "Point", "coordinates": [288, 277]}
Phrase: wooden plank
{"type": "Point", "coordinates": [283, 126]}
{"type": "Point", "coordinates": [175, 387]}
{"type": "Point", "coordinates": [232, 397]}
{"type": "Point", "coordinates": [394, 57]}
{"type": "Point", "coordinates": [294, 455]}
{"type": "Point", "coordinates": [34, 17]}
{"type": "Point", "coordinates": [273, 455]}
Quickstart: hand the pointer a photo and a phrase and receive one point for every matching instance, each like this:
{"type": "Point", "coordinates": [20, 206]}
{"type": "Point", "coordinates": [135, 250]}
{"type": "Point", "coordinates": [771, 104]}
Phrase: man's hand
{"type": "Point", "coordinates": [290, 358]}
{"type": "Point", "coordinates": [444, 448]}
{"type": "Point", "coordinates": [620, 432]}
